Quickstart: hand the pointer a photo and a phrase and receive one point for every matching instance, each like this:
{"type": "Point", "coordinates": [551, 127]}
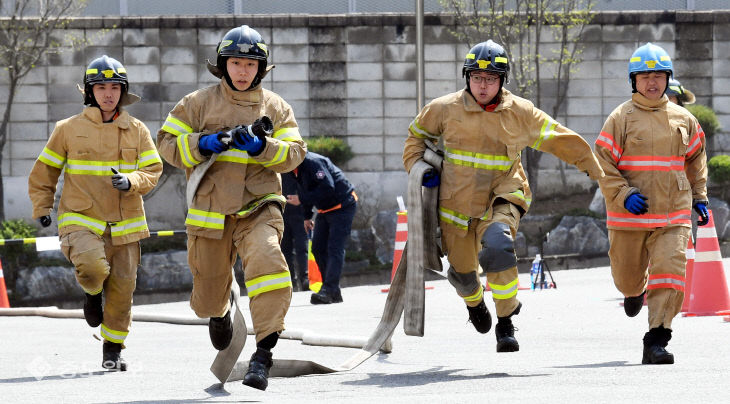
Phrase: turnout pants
{"type": "Point", "coordinates": [463, 252]}
{"type": "Point", "coordinates": [655, 261]}
{"type": "Point", "coordinates": [255, 238]}
{"type": "Point", "coordinates": [103, 267]}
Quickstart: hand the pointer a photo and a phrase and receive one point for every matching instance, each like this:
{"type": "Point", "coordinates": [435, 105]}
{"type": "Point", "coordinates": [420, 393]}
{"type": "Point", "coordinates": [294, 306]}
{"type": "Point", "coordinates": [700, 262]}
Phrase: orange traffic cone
{"type": "Point", "coordinates": [4, 302]}
{"type": "Point", "coordinates": [315, 277]}
{"type": "Point", "coordinates": [690, 254]}
{"type": "Point", "coordinates": [709, 295]}
{"type": "Point", "coordinates": [401, 235]}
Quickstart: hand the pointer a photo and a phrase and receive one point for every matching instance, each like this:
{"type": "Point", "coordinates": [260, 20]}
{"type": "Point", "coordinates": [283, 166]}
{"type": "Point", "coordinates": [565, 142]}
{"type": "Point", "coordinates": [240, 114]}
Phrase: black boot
{"type": "Point", "coordinates": [324, 297]}
{"type": "Point", "coordinates": [93, 312]}
{"type": "Point", "coordinates": [221, 331]}
{"type": "Point", "coordinates": [112, 358]}
{"type": "Point", "coordinates": [258, 369]}
{"type": "Point", "coordinates": [505, 333]}
{"type": "Point", "coordinates": [632, 305]}
{"type": "Point", "coordinates": [479, 316]}
{"type": "Point", "coordinates": [655, 343]}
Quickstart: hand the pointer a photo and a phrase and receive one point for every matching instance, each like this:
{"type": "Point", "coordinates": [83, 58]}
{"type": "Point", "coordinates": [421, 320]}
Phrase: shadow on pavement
{"type": "Point", "coordinates": [599, 365]}
{"type": "Point", "coordinates": [421, 378]}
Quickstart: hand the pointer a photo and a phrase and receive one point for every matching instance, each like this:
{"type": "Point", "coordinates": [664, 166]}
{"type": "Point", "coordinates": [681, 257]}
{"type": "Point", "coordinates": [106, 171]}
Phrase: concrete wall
{"type": "Point", "coordinates": [351, 76]}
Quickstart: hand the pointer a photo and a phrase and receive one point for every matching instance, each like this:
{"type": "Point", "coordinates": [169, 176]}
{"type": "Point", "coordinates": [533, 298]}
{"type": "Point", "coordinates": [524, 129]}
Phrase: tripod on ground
{"type": "Point", "coordinates": [539, 267]}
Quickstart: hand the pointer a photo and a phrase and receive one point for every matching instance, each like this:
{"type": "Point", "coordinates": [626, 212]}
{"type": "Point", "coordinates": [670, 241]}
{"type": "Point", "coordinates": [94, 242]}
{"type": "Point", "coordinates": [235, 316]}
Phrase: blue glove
{"type": "Point", "coordinates": [431, 179]}
{"type": "Point", "coordinates": [243, 139]}
{"type": "Point", "coordinates": [701, 209]}
{"type": "Point", "coordinates": [209, 144]}
{"type": "Point", "coordinates": [636, 204]}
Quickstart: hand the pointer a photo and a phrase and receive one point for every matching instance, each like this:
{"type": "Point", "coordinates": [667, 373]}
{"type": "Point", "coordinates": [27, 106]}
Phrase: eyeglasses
{"type": "Point", "coordinates": [484, 79]}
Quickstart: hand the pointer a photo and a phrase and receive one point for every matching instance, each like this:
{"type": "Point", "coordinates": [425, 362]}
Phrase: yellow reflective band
{"type": "Point", "coordinates": [263, 47]}
{"type": "Point", "coordinates": [483, 63]}
{"type": "Point", "coordinates": [201, 218]}
{"type": "Point", "coordinates": [149, 157]}
{"type": "Point", "coordinates": [504, 291]}
{"type": "Point", "coordinates": [176, 126]}
{"type": "Point", "coordinates": [676, 88]}
{"type": "Point", "coordinates": [30, 240]}
{"type": "Point", "coordinates": [223, 44]}
{"type": "Point", "coordinates": [635, 59]}
{"type": "Point", "coordinates": [476, 296]}
{"type": "Point", "coordinates": [664, 58]}
{"type": "Point", "coordinates": [165, 233]}
{"type": "Point", "coordinates": [92, 71]}
{"type": "Point", "coordinates": [279, 157]}
{"type": "Point", "coordinates": [122, 70]}
{"type": "Point", "coordinates": [51, 158]}
{"type": "Point", "coordinates": [94, 292]}
{"type": "Point", "coordinates": [95, 225]}
{"type": "Point", "coordinates": [454, 218]}
{"type": "Point", "coordinates": [186, 155]}
{"type": "Point", "coordinates": [547, 132]}
{"type": "Point", "coordinates": [258, 202]}
{"type": "Point", "coordinates": [500, 59]}
{"type": "Point", "coordinates": [470, 56]}
{"type": "Point", "coordinates": [477, 160]}
{"type": "Point", "coordinates": [421, 133]}
{"type": "Point", "coordinates": [521, 195]}
{"type": "Point", "coordinates": [267, 283]}
{"type": "Point", "coordinates": [113, 335]}
{"type": "Point", "coordinates": [129, 226]}
{"type": "Point", "coordinates": [102, 168]}
{"type": "Point", "coordinates": [287, 134]}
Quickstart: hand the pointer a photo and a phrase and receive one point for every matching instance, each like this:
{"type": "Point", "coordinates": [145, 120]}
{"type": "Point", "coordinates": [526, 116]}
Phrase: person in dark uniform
{"type": "Point", "coordinates": [294, 240]}
{"type": "Point", "coordinates": [323, 185]}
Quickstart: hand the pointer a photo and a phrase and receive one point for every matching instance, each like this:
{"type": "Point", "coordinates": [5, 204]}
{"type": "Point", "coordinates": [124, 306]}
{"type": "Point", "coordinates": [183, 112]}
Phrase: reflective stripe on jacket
{"type": "Point", "coordinates": [658, 149]}
{"type": "Point", "coordinates": [482, 152]}
{"type": "Point", "coordinates": [86, 149]}
{"type": "Point", "coordinates": [237, 183]}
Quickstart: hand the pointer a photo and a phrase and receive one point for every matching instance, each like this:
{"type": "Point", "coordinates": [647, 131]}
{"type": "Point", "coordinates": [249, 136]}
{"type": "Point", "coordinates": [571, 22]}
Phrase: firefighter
{"type": "Point", "coordinates": [109, 161]}
{"type": "Point", "coordinates": [678, 94]}
{"type": "Point", "coordinates": [653, 154]}
{"type": "Point", "coordinates": [323, 185]}
{"type": "Point", "coordinates": [483, 189]}
{"type": "Point", "coordinates": [237, 208]}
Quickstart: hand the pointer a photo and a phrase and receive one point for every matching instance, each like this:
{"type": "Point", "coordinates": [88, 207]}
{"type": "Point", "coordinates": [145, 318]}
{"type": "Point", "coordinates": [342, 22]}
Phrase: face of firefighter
{"type": "Point", "coordinates": [484, 86]}
{"type": "Point", "coordinates": [242, 72]}
{"type": "Point", "coordinates": [107, 96]}
{"type": "Point", "coordinates": [651, 84]}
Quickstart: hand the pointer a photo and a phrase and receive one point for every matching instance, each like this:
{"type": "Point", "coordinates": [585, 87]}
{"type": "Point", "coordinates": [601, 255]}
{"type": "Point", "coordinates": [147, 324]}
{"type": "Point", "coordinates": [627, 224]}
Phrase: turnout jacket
{"type": "Point", "coordinates": [656, 148]}
{"type": "Point", "coordinates": [482, 152]}
{"type": "Point", "coordinates": [236, 183]}
{"type": "Point", "coordinates": [86, 148]}
{"type": "Point", "coordinates": [322, 184]}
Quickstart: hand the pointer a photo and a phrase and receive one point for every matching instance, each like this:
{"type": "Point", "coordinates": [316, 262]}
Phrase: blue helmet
{"type": "Point", "coordinates": [650, 58]}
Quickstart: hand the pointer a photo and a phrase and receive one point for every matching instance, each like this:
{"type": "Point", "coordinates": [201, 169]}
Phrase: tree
{"type": "Point", "coordinates": [27, 29]}
{"type": "Point", "coordinates": [519, 26]}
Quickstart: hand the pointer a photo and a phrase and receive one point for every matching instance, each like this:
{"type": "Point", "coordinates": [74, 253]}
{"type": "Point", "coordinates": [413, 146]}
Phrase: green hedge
{"type": "Point", "coordinates": [707, 118]}
{"type": "Point", "coordinates": [334, 148]}
{"type": "Point", "coordinates": [719, 168]}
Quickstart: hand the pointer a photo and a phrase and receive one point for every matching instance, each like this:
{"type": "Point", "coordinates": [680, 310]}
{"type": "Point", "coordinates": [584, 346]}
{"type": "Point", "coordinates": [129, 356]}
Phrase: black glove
{"type": "Point", "coordinates": [45, 221]}
{"type": "Point", "coordinates": [120, 181]}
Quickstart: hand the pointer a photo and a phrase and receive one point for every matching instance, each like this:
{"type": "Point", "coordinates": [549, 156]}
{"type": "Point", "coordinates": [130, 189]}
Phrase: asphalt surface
{"type": "Point", "coordinates": [576, 343]}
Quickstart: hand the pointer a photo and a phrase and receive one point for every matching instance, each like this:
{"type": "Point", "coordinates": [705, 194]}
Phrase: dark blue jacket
{"type": "Point", "coordinates": [322, 185]}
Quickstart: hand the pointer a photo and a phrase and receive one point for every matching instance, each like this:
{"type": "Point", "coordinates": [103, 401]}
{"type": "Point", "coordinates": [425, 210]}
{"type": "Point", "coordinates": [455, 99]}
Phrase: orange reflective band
{"type": "Point", "coordinates": [338, 206]}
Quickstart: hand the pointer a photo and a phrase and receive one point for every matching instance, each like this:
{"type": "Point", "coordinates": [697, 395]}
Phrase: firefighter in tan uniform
{"type": "Point", "coordinates": [100, 215]}
{"type": "Point", "coordinates": [483, 188]}
{"type": "Point", "coordinates": [653, 154]}
{"type": "Point", "coordinates": [237, 208]}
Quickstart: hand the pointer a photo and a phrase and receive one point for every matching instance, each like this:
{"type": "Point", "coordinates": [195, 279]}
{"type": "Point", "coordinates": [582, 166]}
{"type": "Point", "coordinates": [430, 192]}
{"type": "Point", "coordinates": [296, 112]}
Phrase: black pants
{"type": "Point", "coordinates": [294, 245]}
{"type": "Point", "coordinates": [331, 232]}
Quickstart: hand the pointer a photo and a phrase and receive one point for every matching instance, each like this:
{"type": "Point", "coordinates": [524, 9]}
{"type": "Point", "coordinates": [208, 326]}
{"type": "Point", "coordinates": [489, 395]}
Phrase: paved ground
{"type": "Point", "coordinates": [576, 345]}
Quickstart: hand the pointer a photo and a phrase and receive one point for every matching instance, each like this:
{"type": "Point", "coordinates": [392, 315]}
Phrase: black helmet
{"type": "Point", "coordinates": [103, 70]}
{"type": "Point", "coordinates": [489, 57]}
{"type": "Point", "coordinates": [241, 42]}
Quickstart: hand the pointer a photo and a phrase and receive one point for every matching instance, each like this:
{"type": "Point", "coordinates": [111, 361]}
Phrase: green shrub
{"type": "Point", "coordinates": [707, 118]}
{"type": "Point", "coordinates": [334, 148]}
{"type": "Point", "coordinates": [19, 255]}
{"type": "Point", "coordinates": [719, 168]}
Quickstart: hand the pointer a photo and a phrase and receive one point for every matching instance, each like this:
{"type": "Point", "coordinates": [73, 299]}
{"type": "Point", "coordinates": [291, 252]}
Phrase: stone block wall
{"type": "Point", "coordinates": [352, 76]}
